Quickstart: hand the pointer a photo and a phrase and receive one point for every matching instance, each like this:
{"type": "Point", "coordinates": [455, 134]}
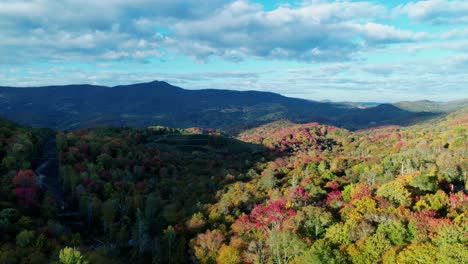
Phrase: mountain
{"type": "Point", "coordinates": [431, 106]}
{"type": "Point", "coordinates": [72, 107]}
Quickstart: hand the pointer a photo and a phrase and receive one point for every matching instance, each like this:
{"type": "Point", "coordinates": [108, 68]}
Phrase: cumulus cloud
{"type": "Point", "coordinates": [313, 31]}
{"type": "Point", "coordinates": [436, 11]}
{"type": "Point", "coordinates": [332, 40]}
{"type": "Point", "coordinates": [87, 30]}
{"type": "Point", "coordinates": [233, 30]}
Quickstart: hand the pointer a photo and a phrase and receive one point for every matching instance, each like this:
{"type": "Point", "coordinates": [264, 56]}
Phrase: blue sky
{"type": "Point", "coordinates": [339, 50]}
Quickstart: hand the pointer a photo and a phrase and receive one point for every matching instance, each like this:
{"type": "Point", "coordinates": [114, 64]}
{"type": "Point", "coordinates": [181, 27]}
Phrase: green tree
{"type": "Point", "coordinates": [69, 255]}
{"type": "Point", "coordinates": [418, 253]}
{"type": "Point", "coordinates": [268, 180]}
{"type": "Point", "coordinates": [312, 221]}
{"type": "Point", "coordinates": [25, 238]}
{"type": "Point", "coordinates": [322, 252]}
{"type": "Point", "coordinates": [396, 192]}
{"type": "Point", "coordinates": [395, 231]}
{"type": "Point", "coordinates": [425, 182]}
{"type": "Point", "coordinates": [370, 250]}
{"type": "Point", "coordinates": [108, 214]}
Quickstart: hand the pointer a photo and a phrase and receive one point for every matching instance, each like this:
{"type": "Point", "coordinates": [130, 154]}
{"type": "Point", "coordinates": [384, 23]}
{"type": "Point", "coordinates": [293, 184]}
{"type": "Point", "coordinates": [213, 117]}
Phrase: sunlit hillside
{"type": "Point", "coordinates": [280, 193]}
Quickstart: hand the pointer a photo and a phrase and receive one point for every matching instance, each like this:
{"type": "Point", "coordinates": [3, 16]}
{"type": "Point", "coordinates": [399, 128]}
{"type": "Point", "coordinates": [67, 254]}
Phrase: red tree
{"type": "Point", "coordinates": [26, 187]}
{"type": "Point", "coordinates": [265, 218]}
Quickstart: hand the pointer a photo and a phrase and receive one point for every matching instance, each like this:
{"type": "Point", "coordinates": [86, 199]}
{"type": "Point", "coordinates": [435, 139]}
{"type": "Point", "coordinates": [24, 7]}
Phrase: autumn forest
{"type": "Point", "coordinates": [279, 193]}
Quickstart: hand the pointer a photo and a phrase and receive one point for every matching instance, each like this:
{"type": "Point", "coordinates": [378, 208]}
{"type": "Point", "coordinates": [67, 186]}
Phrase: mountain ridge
{"type": "Point", "coordinates": [71, 107]}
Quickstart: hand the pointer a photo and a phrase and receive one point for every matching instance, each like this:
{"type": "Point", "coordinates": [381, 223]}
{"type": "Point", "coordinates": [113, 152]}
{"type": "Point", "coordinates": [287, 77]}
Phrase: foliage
{"type": "Point", "coordinates": [281, 193]}
{"type": "Point", "coordinates": [25, 238]}
{"type": "Point", "coordinates": [284, 246]}
{"type": "Point", "coordinates": [71, 256]}
{"type": "Point", "coordinates": [229, 255]}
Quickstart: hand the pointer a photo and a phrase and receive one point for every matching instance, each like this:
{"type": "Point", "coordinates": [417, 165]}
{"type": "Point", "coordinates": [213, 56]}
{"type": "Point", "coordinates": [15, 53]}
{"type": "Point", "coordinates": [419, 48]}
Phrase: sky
{"type": "Point", "coordinates": [380, 51]}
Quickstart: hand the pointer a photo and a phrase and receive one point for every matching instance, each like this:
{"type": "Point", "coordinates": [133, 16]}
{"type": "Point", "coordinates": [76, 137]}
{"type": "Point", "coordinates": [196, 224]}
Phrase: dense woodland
{"type": "Point", "coordinates": [72, 107]}
{"type": "Point", "coordinates": [281, 193]}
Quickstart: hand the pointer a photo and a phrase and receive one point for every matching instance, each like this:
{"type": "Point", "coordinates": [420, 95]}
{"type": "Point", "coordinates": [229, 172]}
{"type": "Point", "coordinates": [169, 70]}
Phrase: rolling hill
{"type": "Point", "coordinates": [431, 106]}
{"type": "Point", "coordinates": [73, 107]}
{"type": "Point", "coordinates": [165, 195]}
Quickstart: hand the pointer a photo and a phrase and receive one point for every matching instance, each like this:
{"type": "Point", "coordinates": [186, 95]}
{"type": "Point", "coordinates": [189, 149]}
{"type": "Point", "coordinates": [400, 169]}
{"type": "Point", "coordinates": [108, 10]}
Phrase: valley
{"type": "Point", "coordinates": [279, 193]}
{"type": "Point", "coordinates": [233, 132]}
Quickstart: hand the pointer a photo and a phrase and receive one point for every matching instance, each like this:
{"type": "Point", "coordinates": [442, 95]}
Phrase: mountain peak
{"type": "Point", "coordinates": [149, 85]}
{"type": "Point", "coordinates": [158, 102]}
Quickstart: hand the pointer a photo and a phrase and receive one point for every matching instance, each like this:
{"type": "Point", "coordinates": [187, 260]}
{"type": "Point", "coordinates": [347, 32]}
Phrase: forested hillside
{"type": "Point", "coordinates": [431, 106]}
{"type": "Point", "coordinates": [280, 193]}
{"type": "Point", "coordinates": [128, 193]}
{"type": "Point", "coordinates": [22, 204]}
{"type": "Point", "coordinates": [72, 107]}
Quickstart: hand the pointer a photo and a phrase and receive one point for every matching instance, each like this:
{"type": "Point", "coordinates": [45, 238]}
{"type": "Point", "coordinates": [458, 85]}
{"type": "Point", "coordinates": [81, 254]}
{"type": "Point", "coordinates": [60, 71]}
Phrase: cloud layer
{"type": "Point", "coordinates": [362, 44]}
{"type": "Point", "coordinates": [141, 29]}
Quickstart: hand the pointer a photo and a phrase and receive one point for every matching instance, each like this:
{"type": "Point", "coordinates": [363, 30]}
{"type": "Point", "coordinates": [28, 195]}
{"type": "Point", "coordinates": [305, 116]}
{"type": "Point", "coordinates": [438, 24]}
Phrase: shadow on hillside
{"type": "Point", "coordinates": [382, 115]}
{"type": "Point", "coordinates": [378, 116]}
{"type": "Point", "coordinates": [184, 171]}
{"type": "Point", "coordinates": [75, 107]}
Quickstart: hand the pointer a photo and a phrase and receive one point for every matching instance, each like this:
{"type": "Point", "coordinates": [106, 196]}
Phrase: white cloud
{"type": "Point", "coordinates": [459, 33]}
{"type": "Point", "coordinates": [436, 11]}
{"type": "Point", "coordinates": [388, 34]}
{"type": "Point", "coordinates": [87, 30]}
{"type": "Point", "coordinates": [314, 31]}
{"type": "Point", "coordinates": [95, 30]}
{"type": "Point", "coordinates": [334, 38]}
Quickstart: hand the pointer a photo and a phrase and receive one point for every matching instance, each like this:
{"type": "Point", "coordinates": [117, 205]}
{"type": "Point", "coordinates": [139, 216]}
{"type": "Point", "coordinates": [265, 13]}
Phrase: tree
{"type": "Point", "coordinates": [173, 247]}
{"type": "Point", "coordinates": [369, 250]}
{"type": "Point", "coordinates": [395, 231]}
{"type": "Point", "coordinates": [265, 218]}
{"type": "Point", "coordinates": [425, 182]}
{"type": "Point", "coordinates": [418, 253]}
{"type": "Point", "coordinates": [10, 214]}
{"type": "Point", "coordinates": [25, 238]}
{"type": "Point", "coordinates": [25, 191]}
{"type": "Point", "coordinates": [206, 246]}
{"type": "Point", "coordinates": [285, 246]}
{"type": "Point", "coordinates": [71, 256]}
{"type": "Point", "coordinates": [452, 254]}
{"type": "Point", "coordinates": [438, 201]}
{"type": "Point", "coordinates": [104, 160]}
{"type": "Point", "coordinates": [141, 237]}
{"type": "Point", "coordinates": [229, 255]}
{"type": "Point", "coordinates": [299, 196]}
{"type": "Point", "coordinates": [196, 222]}
{"type": "Point", "coordinates": [396, 192]}
{"type": "Point", "coordinates": [9, 163]}
{"type": "Point", "coordinates": [25, 178]}
{"type": "Point", "coordinates": [257, 252]}
{"type": "Point", "coordinates": [35, 257]}
{"type": "Point", "coordinates": [153, 206]}
{"type": "Point", "coordinates": [8, 255]}
{"type": "Point", "coordinates": [312, 221]}
{"type": "Point", "coordinates": [322, 251]}
{"type": "Point", "coordinates": [268, 180]}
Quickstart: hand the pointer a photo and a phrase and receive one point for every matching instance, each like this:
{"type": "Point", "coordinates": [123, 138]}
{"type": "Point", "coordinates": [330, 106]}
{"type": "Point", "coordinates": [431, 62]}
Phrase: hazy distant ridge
{"type": "Point", "coordinates": [159, 103]}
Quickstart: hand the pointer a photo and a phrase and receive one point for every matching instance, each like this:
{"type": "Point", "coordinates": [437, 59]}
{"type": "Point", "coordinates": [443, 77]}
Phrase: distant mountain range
{"type": "Point", "coordinates": [159, 103]}
{"type": "Point", "coordinates": [430, 106]}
